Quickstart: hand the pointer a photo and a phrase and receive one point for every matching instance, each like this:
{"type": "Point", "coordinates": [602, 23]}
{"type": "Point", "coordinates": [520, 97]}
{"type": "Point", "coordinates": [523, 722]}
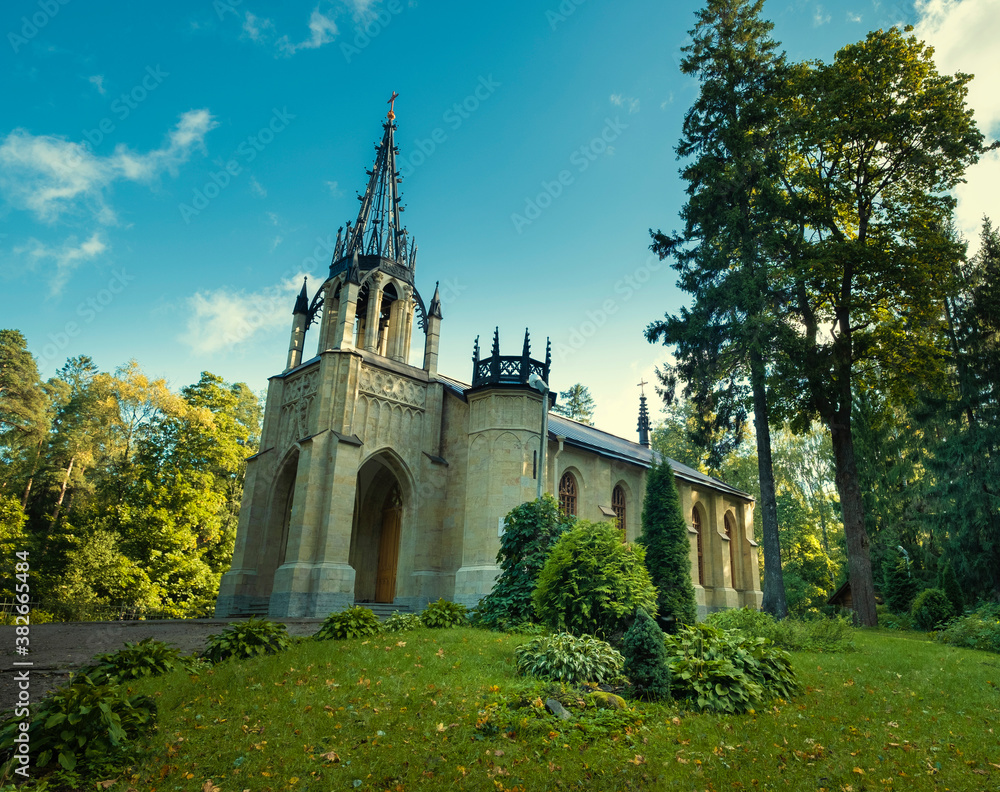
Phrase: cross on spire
{"type": "Point", "coordinates": [391, 103]}
{"type": "Point", "coordinates": [642, 386]}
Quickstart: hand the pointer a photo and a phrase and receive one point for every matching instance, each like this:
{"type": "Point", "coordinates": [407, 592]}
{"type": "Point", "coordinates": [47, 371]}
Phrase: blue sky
{"type": "Point", "coordinates": [169, 171]}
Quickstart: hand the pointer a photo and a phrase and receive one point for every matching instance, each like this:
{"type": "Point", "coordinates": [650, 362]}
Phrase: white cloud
{"type": "Point", "coordinates": [335, 190]}
{"type": "Point", "coordinates": [50, 176]}
{"type": "Point", "coordinates": [852, 17]}
{"type": "Point", "coordinates": [254, 27]}
{"type": "Point", "coordinates": [224, 319]}
{"type": "Point", "coordinates": [964, 35]}
{"type": "Point", "coordinates": [627, 102]}
{"type": "Point", "coordinates": [322, 31]}
{"type": "Point", "coordinates": [275, 242]}
{"type": "Point", "coordinates": [98, 80]}
{"type": "Point", "coordinates": [668, 101]}
{"type": "Point", "coordinates": [257, 188]}
{"type": "Point", "coordinates": [66, 257]}
{"type": "Point", "coordinates": [819, 18]}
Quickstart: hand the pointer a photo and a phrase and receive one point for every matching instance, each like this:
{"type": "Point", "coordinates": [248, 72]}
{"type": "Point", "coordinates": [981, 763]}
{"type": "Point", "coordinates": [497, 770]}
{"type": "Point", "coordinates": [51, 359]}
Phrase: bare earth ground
{"type": "Point", "coordinates": [57, 649]}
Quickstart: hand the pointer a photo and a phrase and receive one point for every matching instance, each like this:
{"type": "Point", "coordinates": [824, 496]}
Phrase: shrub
{"type": "Point", "coordinates": [899, 587]}
{"type": "Point", "coordinates": [146, 658]}
{"type": "Point", "coordinates": [979, 630]}
{"type": "Point", "coordinates": [931, 609]}
{"type": "Point", "coordinates": [592, 583]}
{"type": "Point", "coordinates": [530, 530]}
{"type": "Point", "coordinates": [444, 614]}
{"type": "Point", "coordinates": [84, 726]}
{"type": "Point", "coordinates": [813, 635]}
{"type": "Point", "coordinates": [727, 672]}
{"type": "Point", "coordinates": [570, 659]}
{"type": "Point", "coordinates": [665, 539]}
{"type": "Point", "coordinates": [749, 621]}
{"type": "Point", "coordinates": [399, 622]}
{"type": "Point", "coordinates": [352, 622]}
{"type": "Point", "coordinates": [948, 583]}
{"type": "Point", "coordinates": [247, 639]}
{"type": "Point", "coordinates": [646, 658]}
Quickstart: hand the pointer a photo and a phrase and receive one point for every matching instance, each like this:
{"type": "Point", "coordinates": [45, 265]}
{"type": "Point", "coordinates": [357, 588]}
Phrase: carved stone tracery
{"type": "Point", "coordinates": [390, 387]}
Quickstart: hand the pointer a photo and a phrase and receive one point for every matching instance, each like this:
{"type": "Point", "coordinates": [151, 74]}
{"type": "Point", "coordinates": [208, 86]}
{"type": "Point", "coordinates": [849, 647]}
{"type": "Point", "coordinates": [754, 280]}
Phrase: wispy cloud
{"type": "Point", "coordinates": [62, 259]}
{"type": "Point", "coordinates": [852, 17]}
{"type": "Point", "coordinates": [98, 81]}
{"type": "Point", "coordinates": [50, 176]}
{"type": "Point", "coordinates": [322, 30]}
{"type": "Point", "coordinates": [257, 188]}
{"type": "Point", "coordinates": [255, 28]}
{"type": "Point", "coordinates": [819, 17]}
{"type": "Point", "coordinates": [335, 190]}
{"type": "Point", "coordinates": [626, 102]}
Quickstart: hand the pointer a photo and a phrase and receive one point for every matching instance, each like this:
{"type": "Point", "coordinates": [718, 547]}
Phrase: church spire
{"type": "Point", "coordinates": [377, 231]}
{"type": "Point", "coordinates": [643, 415]}
{"type": "Point", "coordinates": [302, 301]}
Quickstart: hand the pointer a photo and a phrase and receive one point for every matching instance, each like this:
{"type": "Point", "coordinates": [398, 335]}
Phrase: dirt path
{"type": "Point", "coordinates": [57, 649]}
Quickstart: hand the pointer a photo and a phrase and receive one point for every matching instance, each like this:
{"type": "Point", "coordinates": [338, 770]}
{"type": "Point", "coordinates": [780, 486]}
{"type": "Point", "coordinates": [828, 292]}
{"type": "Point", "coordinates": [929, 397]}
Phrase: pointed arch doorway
{"type": "Point", "coordinates": [379, 514]}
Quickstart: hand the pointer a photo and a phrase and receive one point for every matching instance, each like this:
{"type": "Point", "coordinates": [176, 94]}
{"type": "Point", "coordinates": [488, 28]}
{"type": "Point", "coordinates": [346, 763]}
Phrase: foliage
{"type": "Point", "coordinates": [646, 658]}
{"type": "Point", "coordinates": [353, 622]}
{"type": "Point", "coordinates": [931, 609]}
{"type": "Point", "coordinates": [530, 530]}
{"type": "Point", "coordinates": [811, 635]}
{"type": "Point", "coordinates": [85, 727]}
{"type": "Point", "coordinates": [668, 549]}
{"type": "Point", "coordinates": [147, 657]}
{"type": "Point", "coordinates": [726, 672]}
{"type": "Point", "coordinates": [901, 622]}
{"type": "Point", "coordinates": [577, 403]}
{"type": "Point", "coordinates": [948, 583]}
{"type": "Point", "coordinates": [899, 587]}
{"type": "Point", "coordinates": [592, 583]}
{"type": "Point", "coordinates": [245, 639]}
{"type": "Point", "coordinates": [444, 614]}
{"type": "Point", "coordinates": [400, 622]}
{"type": "Point", "coordinates": [567, 658]}
{"type": "Point", "coordinates": [978, 630]}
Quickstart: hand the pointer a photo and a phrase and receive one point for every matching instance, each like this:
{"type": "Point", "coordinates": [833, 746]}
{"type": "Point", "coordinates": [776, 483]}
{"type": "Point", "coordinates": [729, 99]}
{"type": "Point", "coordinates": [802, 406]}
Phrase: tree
{"type": "Point", "coordinates": [646, 658]}
{"type": "Point", "coordinates": [577, 404]}
{"type": "Point", "coordinates": [722, 342]}
{"type": "Point", "coordinates": [668, 548]}
{"type": "Point", "coordinates": [875, 140]}
{"type": "Point", "coordinates": [24, 414]}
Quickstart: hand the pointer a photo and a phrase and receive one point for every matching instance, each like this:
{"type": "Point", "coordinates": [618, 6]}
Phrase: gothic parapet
{"type": "Point", "coordinates": [500, 369]}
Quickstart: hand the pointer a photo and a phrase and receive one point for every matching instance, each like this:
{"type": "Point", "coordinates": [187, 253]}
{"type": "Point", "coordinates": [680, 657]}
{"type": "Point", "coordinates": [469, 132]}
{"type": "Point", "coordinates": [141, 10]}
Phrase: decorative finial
{"type": "Point", "coordinates": [642, 387]}
{"type": "Point", "coordinates": [392, 99]}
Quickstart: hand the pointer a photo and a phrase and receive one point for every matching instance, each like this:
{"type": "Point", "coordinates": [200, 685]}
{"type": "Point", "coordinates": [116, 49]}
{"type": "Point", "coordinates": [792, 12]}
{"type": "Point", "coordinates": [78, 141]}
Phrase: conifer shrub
{"type": "Point", "coordinates": [592, 583]}
{"type": "Point", "coordinates": [530, 530]}
{"type": "Point", "coordinates": [569, 658]}
{"type": "Point", "coordinates": [145, 658]}
{"type": "Point", "coordinates": [352, 622]}
{"type": "Point", "coordinates": [249, 638]}
{"type": "Point", "coordinates": [444, 614]}
{"type": "Point", "coordinates": [948, 583]}
{"type": "Point", "coordinates": [665, 539]}
{"type": "Point", "coordinates": [646, 658]}
{"type": "Point", "coordinates": [931, 609]}
{"type": "Point", "coordinates": [899, 586]}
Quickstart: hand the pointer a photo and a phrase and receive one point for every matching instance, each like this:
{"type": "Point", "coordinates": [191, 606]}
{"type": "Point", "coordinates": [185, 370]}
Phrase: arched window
{"type": "Point", "coordinates": [567, 494]}
{"type": "Point", "coordinates": [731, 534]}
{"type": "Point", "coordinates": [618, 507]}
{"type": "Point", "coordinates": [696, 524]}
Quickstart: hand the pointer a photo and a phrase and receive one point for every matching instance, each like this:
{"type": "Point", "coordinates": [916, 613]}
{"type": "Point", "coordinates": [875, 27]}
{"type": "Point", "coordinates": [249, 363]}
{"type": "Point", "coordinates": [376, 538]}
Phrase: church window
{"type": "Point", "coordinates": [696, 524]}
{"type": "Point", "coordinates": [618, 505]}
{"type": "Point", "coordinates": [731, 533]}
{"type": "Point", "coordinates": [567, 494]}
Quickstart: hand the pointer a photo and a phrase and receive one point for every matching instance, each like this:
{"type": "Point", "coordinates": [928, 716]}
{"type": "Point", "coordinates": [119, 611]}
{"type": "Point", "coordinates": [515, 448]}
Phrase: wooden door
{"type": "Point", "coordinates": [388, 552]}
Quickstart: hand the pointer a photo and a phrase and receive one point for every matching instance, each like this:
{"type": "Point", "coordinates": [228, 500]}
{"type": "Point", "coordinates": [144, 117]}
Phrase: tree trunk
{"type": "Point", "coordinates": [859, 562]}
{"type": "Point", "coordinates": [62, 494]}
{"type": "Point", "coordinates": [774, 583]}
{"type": "Point", "coordinates": [31, 476]}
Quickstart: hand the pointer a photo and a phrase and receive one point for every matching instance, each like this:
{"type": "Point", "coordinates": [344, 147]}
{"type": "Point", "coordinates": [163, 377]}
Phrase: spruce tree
{"type": "Point", "coordinates": [646, 658]}
{"type": "Point", "coordinates": [948, 583]}
{"type": "Point", "coordinates": [668, 549]}
{"type": "Point", "coordinates": [899, 587]}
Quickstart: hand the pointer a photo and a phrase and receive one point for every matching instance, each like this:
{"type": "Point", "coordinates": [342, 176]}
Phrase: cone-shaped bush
{"type": "Point", "coordinates": [948, 583]}
{"type": "Point", "coordinates": [646, 658]}
{"type": "Point", "coordinates": [899, 587]}
{"type": "Point", "coordinates": [665, 537]}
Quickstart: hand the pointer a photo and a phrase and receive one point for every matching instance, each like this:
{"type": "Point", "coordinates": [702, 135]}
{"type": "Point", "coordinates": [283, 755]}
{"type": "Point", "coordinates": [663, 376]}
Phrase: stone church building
{"type": "Point", "coordinates": [382, 482]}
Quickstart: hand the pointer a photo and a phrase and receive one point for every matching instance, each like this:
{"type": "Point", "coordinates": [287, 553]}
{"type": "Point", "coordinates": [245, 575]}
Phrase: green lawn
{"type": "Point", "coordinates": [400, 712]}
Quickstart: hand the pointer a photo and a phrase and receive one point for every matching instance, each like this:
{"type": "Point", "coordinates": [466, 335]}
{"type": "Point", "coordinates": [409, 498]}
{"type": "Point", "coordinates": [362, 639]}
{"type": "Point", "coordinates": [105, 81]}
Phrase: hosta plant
{"type": "Point", "coordinates": [444, 614]}
{"type": "Point", "coordinates": [247, 639]}
{"type": "Point", "coordinates": [399, 622]}
{"type": "Point", "coordinates": [352, 622]}
{"type": "Point", "coordinates": [145, 658]}
{"type": "Point", "coordinates": [567, 658]}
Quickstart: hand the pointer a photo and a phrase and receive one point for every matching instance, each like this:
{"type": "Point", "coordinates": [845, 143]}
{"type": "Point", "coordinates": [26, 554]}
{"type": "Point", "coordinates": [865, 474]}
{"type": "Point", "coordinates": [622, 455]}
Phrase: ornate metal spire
{"type": "Point", "coordinates": [643, 415]}
{"type": "Point", "coordinates": [378, 231]}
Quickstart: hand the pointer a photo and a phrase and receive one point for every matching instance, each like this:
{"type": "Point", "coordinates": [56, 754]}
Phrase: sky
{"type": "Point", "coordinates": [169, 172]}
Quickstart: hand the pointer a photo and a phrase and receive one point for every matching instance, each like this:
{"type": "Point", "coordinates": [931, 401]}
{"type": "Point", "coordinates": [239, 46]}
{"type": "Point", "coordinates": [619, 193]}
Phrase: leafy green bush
{"type": "Point", "coordinates": [530, 530]}
{"type": "Point", "coordinates": [400, 622]}
{"type": "Point", "coordinates": [592, 583]}
{"type": "Point", "coordinates": [85, 727]}
{"type": "Point", "coordinates": [247, 639]}
{"type": "Point", "coordinates": [812, 635]}
{"type": "Point", "coordinates": [931, 609]}
{"type": "Point", "coordinates": [749, 621]}
{"type": "Point", "coordinates": [646, 658]}
{"type": "Point", "coordinates": [727, 672]}
{"type": "Point", "coordinates": [146, 658]}
{"type": "Point", "coordinates": [570, 659]}
{"type": "Point", "coordinates": [444, 614]}
{"type": "Point", "coordinates": [978, 630]}
{"type": "Point", "coordinates": [895, 621]}
{"type": "Point", "coordinates": [352, 622]}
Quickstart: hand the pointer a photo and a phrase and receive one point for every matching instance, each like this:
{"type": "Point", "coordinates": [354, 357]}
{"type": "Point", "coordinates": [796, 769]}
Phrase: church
{"type": "Point", "coordinates": [378, 481]}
